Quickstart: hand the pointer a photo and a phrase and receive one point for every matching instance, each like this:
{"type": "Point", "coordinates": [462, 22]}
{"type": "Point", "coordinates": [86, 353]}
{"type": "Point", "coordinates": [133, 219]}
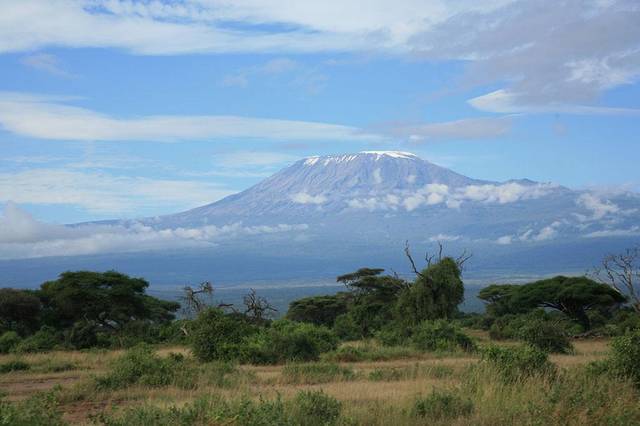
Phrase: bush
{"type": "Point", "coordinates": [43, 340]}
{"type": "Point", "coordinates": [394, 334]}
{"type": "Point", "coordinates": [316, 373]}
{"type": "Point", "coordinates": [82, 335]}
{"type": "Point", "coordinates": [142, 366]}
{"type": "Point", "coordinates": [9, 341]}
{"type": "Point", "coordinates": [288, 341]}
{"type": "Point", "coordinates": [625, 356]}
{"type": "Point", "coordinates": [315, 408]}
{"type": "Point", "coordinates": [548, 336]}
{"type": "Point", "coordinates": [442, 406]}
{"type": "Point", "coordinates": [440, 335]}
{"type": "Point", "coordinates": [39, 410]}
{"type": "Point", "coordinates": [346, 328]}
{"type": "Point", "coordinates": [519, 361]}
{"type": "Point", "coordinates": [216, 336]}
{"type": "Point", "coordinates": [15, 365]}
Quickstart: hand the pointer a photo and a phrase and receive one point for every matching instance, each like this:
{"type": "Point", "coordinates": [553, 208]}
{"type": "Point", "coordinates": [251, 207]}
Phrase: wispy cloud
{"type": "Point", "coordinates": [106, 193]}
{"type": "Point", "coordinates": [549, 56]}
{"type": "Point", "coordinates": [45, 62]}
{"type": "Point", "coordinates": [21, 236]}
{"type": "Point", "coordinates": [464, 129]}
{"type": "Point", "coordinates": [59, 121]}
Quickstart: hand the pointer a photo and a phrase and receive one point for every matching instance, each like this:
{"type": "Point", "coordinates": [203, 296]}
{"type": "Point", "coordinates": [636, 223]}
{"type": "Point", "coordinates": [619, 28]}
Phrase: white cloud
{"type": "Point", "coordinates": [629, 232]}
{"type": "Point", "coordinates": [470, 128]}
{"type": "Point", "coordinates": [453, 198]}
{"type": "Point", "coordinates": [505, 193]}
{"type": "Point", "coordinates": [304, 198]}
{"type": "Point", "coordinates": [444, 237]}
{"type": "Point", "coordinates": [253, 159]}
{"type": "Point", "coordinates": [19, 112]}
{"type": "Point", "coordinates": [547, 54]}
{"type": "Point", "coordinates": [21, 236]}
{"type": "Point", "coordinates": [505, 102]}
{"type": "Point", "coordinates": [105, 193]}
{"type": "Point", "coordinates": [548, 232]}
{"type": "Point", "coordinates": [505, 240]}
{"type": "Point", "coordinates": [598, 207]}
{"type": "Point", "coordinates": [45, 62]}
{"type": "Point", "coordinates": [200, 26]}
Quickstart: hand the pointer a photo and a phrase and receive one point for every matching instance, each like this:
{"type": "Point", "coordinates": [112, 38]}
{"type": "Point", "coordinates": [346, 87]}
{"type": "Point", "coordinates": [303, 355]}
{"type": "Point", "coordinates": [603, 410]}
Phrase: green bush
{"type": "Point", "coordinates": [287, 341]}
{"type": "Point", "coordinates": [9, 341]}
{"type": "Point", "coordinates": [625, 356]}
{"type": "Point", "coordinates": [42, 340]}
{"type": "Point", "coordinates": [315, 408]}
{"type": "Point", "coordinates": [549, 336]}
{"type": "Point", "coordinates": [346, 328]}
{"type": "Point", "coordinates": [216, 336]}
{"type": "Point", "coordinates": [623, 321]}
{"type": "Point", "coordinates": [520, 361]}
{"type": "Point", "coordinates": [39, 410]}
{"type": "Point", "coordinates": [316, 373]}
{"type": "Point", "coordinates": [440, 335]}
{"type": "Point", "coordinates": [394, 334]}
{"type": "Point", "coordinates": [141, 366]}
{"type": "Point", "coordinates": [82, 335]}
{"type": "Point", "coordinates": [442, 406]}
{"type": "Point", "coordinates": [15, 365]}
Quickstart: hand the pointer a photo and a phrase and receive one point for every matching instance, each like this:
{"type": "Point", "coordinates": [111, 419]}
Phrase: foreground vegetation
{"type": "Point", "coordinates": [94, 348]}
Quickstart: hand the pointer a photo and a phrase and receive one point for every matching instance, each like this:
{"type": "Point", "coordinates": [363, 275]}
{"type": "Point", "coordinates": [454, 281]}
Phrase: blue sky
{"type": "Point", "coordinates": [127, 109]}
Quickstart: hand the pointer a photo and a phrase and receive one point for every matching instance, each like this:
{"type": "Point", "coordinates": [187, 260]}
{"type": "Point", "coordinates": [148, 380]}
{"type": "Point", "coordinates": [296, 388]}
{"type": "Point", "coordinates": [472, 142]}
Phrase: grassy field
{"type": "Point", "coordinates": [384, 389]}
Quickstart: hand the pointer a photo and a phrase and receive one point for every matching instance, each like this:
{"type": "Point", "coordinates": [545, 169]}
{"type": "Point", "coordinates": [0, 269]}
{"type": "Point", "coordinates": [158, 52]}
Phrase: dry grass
{"type": "Point", "coordinates": [370, 401]}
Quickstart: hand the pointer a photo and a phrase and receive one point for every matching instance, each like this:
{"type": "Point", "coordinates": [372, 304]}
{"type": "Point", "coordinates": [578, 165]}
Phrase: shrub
{"type": "Point", "coordinates": [315, 408]}
{"type": "Point", "coordinates": [625, 354]}
{"type": "Point", "coordinates": [216, 336]}
{"type": "Point", "coordinates": [316, 373]}
{"type": "Point", "coordinates": [15, 365]}
{"type": "Point", "coordinates": [442, 406]}
{"type": "Point", "coordinates": [39, 410]}
{"type": "Point", "coordinates": [346, 327]}
{"type": "Point", "coordinates": [394, 334]}
{"type": "Point", "coordinates": [519, 361]}
{"type": "Point", "coordinates": [82, 335]}
{"type": "Point", "coordinates": [546, 335]}
{"type": "Point", "coordinates": [8, 341]}
{"type": "Point", "coordinates": [42, 340]}
{"type": "Point", "coordinates": [440, 335]}
{"type": "Point", "coordinates": [142, 366]}
{"type": "Point", "coordinates": [288, 341]}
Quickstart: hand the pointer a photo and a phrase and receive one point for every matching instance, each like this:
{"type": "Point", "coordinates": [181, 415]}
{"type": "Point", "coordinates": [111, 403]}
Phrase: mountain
{"type": "Point", "coordinates": [325, 215]}
{"type": "Point", "coordinates": [318, 186]}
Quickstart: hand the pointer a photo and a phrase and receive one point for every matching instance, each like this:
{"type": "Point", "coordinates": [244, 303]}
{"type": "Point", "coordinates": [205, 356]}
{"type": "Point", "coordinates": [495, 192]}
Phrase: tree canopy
{"type": "Point", "coordinates": [110, 299]}
{"type": "Point", "coordinates": [573, 296]}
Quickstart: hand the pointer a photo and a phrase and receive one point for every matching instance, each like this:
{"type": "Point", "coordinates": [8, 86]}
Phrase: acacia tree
{"type": "Point", "coordinates": [19, 311]}
{"type": "Point", "coordinates": [573, 296]}
{"type": "Point", "coordinates": [373, 296]}
{"type": "Point", "coordinates": [622, 272]}
{"type": "Point", "coordinates": [107, 299]}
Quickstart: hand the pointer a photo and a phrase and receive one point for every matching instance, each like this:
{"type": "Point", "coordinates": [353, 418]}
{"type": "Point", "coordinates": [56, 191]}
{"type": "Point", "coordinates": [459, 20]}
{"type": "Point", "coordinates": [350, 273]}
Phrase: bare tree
{"type": "Point", "coordinates": [622, 272]}
{"type": "Point", "coordinates": [434, 258]}
{"type": "Point", "coordinates": [196, 300]}
{"type": "Point", "coordinates": [257, 308]}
